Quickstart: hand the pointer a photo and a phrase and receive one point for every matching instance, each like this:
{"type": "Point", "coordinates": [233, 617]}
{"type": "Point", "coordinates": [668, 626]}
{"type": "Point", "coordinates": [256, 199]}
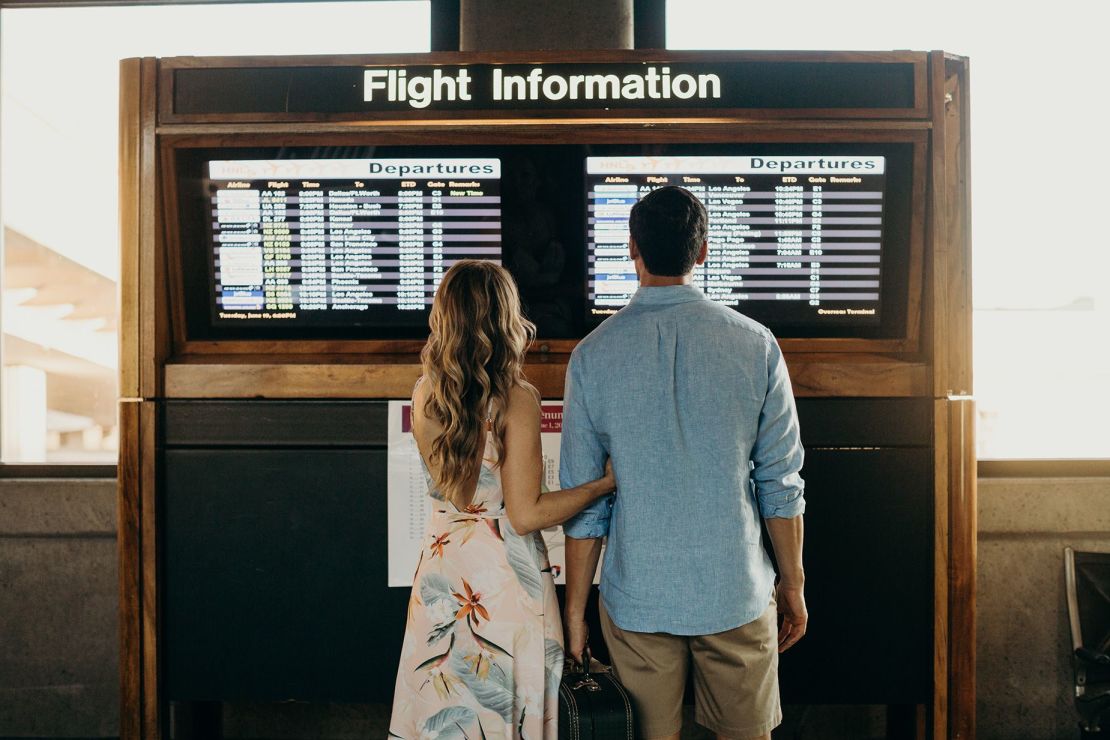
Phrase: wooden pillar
{"type": "Point", "coordinates": [949, 264]}
{"type": "Point", "coordinates": [961, 569]}
{"type": "Point", "coordinates": [144, 345]}
{"type": "Point", "coordinates": [140, 711]}
{"type": "Point", "coordinates": [129, 547]}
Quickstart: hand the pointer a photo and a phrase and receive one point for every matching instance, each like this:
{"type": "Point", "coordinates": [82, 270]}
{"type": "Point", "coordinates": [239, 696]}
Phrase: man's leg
{"type": "Point", "coordinates": [652, 667]}
{"type": "Point", "coordinates": [736, 686]}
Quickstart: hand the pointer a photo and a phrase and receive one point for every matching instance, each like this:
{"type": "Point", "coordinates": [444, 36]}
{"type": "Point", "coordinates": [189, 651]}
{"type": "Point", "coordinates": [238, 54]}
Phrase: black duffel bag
{"type": "Point", "coordinates": [592, 704]}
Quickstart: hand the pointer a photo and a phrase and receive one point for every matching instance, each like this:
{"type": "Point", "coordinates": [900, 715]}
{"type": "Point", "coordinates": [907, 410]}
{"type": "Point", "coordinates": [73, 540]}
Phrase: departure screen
{"type": "Point", "coordinates": [345, 242]}
{"type": "Point", "coordinates": [794, 239]}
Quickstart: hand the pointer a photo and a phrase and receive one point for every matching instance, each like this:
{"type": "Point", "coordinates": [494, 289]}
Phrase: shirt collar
{"type": "Point", "coordinates": [664, 295]}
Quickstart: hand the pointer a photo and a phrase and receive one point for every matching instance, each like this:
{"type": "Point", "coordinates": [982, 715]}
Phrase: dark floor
{"type": "Point", "coordinates": [300, 721]}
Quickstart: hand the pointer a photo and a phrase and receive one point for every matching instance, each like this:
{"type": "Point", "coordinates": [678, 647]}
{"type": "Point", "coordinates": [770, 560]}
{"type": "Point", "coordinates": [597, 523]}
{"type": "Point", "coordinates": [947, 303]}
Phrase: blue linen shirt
{"type": "Point", "coordinates": [692, 401]}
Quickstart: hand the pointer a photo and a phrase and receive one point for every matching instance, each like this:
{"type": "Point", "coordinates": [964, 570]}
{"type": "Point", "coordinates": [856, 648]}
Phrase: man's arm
{"type": "Point", "coordinates": [581, 457]}
{"type": "Point", "coordinates": [581, 564]}
{"type": "Point", "coordinates": [777, 459]}
{"type": "Point", "coordinates": [786, 539]}
{"type": "Point", "coordinates": [527, 507]}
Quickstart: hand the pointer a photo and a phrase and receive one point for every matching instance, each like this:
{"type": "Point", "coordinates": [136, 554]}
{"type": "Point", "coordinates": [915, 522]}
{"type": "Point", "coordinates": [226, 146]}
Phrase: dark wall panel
{"type": "Point", "coordinates": [869, 580]}
{"type": "Point", "coordinates": [274, 532]}
{"type": "Point", "coordinates": [866, 422]}
{"type": "Point", "coordinates": [275, 576]}
{"type": "Point", "coordinates": [275, 423]}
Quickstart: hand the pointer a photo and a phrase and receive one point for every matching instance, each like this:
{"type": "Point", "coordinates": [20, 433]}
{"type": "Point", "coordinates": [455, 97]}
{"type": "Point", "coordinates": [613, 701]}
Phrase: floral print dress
{"type": "Point", "coordinates": [483, 649]}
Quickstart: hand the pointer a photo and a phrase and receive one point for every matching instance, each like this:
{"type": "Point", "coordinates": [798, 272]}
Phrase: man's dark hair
{"type": "Point", "coordinates": [669, 226]}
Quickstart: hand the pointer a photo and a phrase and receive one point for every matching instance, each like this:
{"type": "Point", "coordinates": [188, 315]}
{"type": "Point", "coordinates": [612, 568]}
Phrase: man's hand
{"type": "Point", "coordinates": [580, 558]}
{"type": "Point", "coordinates": [577, 634]}
{"type": "Point", "coordinates": [792, 607]}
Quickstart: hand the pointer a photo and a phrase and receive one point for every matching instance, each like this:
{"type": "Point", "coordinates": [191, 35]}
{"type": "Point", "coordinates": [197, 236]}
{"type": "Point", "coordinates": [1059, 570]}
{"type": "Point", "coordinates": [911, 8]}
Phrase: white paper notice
{"type": "Point", "coordinates": [409, 504]}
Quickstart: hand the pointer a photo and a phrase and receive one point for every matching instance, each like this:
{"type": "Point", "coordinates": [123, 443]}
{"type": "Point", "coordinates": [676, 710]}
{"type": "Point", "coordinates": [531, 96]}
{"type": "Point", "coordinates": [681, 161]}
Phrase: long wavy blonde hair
{"type": "Point", "coordinates": [473, 358]}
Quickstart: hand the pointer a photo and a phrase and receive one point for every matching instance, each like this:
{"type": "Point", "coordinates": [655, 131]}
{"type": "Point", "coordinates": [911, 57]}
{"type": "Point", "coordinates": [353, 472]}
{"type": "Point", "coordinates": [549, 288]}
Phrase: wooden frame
{"type": "Point", "coordinates": [962, 549]}
{"type": "Point", "coordinates": [130, 170]}
{"type": "Point", "coordinates": [129, 527]}
{"type": "Point", "coordinates": [140, 694]}
{"type": "Point", "coordinates": [718, 131]}
{"type": "Point", "coordinates": [160, 361]}
{"type": "Point", "coordinates": [1044, 468]}
{"type": "Point", "coordinates": [143, 325]}
{"type": "Point", "coordinates": [950, 293]}
{"type": "Point", "coordinates": [167, 115]}
{"type": "Point", "coordinates": [337, 376]}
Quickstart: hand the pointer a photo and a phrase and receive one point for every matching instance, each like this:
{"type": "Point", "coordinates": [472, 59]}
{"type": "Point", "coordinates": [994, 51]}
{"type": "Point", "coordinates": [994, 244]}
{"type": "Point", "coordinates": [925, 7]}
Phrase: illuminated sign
{"type": "Point", "coordinates": [599, 87]}
{"type": "Point", "coordinates": [652, 83]}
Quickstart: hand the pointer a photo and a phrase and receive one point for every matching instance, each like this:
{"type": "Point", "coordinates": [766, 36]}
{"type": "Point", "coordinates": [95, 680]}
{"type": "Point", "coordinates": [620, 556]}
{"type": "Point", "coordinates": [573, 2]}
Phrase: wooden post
{"type": "Point", "coordinates": [961, 568]}
{"type": "Point", "coordinates": [130, 557]}
{"type": "Point", "coordinates": [951, 325]}
{"type": "Point", "coordinates": [143, 349]}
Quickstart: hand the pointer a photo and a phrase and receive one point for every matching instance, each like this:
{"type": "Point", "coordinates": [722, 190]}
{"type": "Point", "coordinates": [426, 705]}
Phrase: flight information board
{"type": "Point", "coordinates": [345, 242]}
{"type": "Point", "coordinates": [792, 239]}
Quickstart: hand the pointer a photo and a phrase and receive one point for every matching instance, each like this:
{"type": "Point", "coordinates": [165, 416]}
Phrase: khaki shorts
{"type": "Point", "coordinates": [736, 681]}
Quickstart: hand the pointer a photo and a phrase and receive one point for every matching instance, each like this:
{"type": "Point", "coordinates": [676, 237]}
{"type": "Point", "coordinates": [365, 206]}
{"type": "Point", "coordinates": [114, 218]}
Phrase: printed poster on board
{"type": "Point", "coordinates": [409, 504]}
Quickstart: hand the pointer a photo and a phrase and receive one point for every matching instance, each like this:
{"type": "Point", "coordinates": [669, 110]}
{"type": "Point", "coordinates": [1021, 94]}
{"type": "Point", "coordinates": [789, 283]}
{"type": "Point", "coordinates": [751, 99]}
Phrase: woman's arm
{"type": "Point", "coordinates": [522, 470]}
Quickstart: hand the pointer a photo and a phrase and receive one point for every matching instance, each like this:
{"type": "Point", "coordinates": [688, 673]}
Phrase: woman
{"type": "Point", "coordinates": [483, 649]}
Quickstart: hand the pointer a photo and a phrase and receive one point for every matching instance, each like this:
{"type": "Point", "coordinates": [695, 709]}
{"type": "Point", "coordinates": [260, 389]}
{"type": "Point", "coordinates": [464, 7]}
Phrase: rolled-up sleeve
{"type": "Point", "coordinates": [777, 455]}
{"type": "Point", "coordinates": [581, 456]}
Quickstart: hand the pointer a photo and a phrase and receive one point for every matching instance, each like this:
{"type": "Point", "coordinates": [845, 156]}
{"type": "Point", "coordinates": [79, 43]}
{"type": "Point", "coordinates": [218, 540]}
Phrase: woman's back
{"type": "Point", "coordinates": [483, 645]}
{"type": "Point", "coordinates": [477, 485]}
{"type": "Point", "coordinates": [483, 648]}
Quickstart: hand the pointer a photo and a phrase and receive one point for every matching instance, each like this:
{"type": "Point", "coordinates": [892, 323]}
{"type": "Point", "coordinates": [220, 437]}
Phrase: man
{"type": "Point", "coordinates": [693, 403]}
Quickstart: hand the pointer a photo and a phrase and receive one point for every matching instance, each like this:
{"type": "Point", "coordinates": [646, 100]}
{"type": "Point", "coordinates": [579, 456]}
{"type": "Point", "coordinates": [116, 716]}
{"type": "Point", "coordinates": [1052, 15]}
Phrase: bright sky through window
{"type": "Point", "coordinates": [59, 117]}
{"type": "Point", "coordinates": [1038, 159]}
{"type": "Point", "coordinates": [61, 100]}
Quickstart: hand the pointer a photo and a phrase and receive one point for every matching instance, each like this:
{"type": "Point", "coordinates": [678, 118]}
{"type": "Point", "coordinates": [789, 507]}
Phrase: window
{"type": "Point", "coordinates": [1041, 259]}
{"type": "Point", "coordinates": [59, 74]}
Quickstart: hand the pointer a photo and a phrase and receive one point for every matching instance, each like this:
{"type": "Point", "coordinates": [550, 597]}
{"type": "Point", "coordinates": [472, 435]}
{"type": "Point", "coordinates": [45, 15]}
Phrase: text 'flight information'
{"type": "Point", "coordinates": [346, 241]}
{"type": "Point", "coordinates": [802, 233]}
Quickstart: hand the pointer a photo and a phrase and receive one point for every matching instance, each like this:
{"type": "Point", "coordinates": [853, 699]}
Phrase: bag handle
{"type": "Point", "coordinates": [583, 664]}
{"type": "Point", "coordinates": [584, 679]}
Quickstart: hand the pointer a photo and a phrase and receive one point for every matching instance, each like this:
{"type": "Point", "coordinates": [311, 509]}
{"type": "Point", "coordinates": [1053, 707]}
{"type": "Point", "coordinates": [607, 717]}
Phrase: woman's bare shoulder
{"type": "Point", "coordinates": [422, 423]}
{"type": "Point", "coordinates": [524, 394]}
{"type": "Point", "coordinates": [524, 403]}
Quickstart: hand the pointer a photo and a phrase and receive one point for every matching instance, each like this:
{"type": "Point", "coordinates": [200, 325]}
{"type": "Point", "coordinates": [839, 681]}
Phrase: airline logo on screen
{"type": "Point", "coordinates": [648, 83]}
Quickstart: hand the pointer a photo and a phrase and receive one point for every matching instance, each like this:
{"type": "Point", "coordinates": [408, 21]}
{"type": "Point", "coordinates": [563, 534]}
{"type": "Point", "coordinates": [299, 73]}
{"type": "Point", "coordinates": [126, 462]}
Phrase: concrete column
{"type": "Point", "coordinates": [24, 414]}
{"type": "Point", "coordinates": [534, 25]}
